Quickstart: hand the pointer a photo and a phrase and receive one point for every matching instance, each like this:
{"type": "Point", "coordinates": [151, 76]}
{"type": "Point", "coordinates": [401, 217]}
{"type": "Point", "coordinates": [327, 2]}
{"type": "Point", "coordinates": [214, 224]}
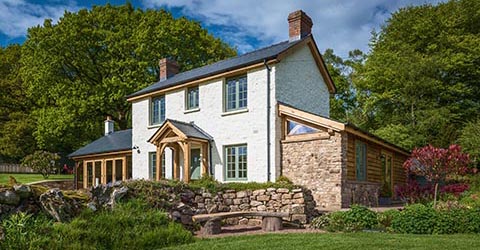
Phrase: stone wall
{"type": "Point", "coordinates": [180, 202]}
{"type": "Point", "coordinates": [317, 165]}
{"type": "Point", "coordinates": [298, 202]}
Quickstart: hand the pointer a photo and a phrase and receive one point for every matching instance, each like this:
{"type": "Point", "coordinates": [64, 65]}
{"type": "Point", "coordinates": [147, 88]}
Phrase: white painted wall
{"type": "Point", "coordinates": [300, 83]}
{"type": "Point", "coordinates": [296, 81]}
{"type": "Point", "coordinates": [248, 127]}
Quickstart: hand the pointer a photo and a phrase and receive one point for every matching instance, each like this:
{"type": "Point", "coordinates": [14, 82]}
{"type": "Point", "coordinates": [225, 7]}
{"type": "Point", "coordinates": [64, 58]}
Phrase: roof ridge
{"type": "Point", "coordinates": [235, 57]}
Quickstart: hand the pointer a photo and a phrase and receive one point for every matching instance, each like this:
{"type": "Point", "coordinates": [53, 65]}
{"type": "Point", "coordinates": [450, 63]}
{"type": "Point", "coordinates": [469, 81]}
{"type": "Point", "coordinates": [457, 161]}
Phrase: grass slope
{"type": "Point", "coordinates": [27, 178]}
{"type": "Point", "coordinates": [339, 241]}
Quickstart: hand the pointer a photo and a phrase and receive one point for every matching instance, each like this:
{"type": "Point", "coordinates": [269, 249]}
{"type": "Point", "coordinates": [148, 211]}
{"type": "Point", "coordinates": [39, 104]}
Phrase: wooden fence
{"type": "Point", "coordinates": [14, 168]}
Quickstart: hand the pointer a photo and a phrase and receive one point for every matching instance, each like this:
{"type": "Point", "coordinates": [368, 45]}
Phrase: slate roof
{"type": "Point", "coordinates": [253, 57]}
{"type": "Point", "coordinates": [190, 130]}
{"type": "Point", "coordinates": [116, 141]}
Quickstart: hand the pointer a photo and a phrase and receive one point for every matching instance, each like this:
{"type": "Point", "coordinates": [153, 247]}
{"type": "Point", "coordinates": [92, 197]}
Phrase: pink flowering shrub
{"type": "Point", "coordinates": [436, 165]}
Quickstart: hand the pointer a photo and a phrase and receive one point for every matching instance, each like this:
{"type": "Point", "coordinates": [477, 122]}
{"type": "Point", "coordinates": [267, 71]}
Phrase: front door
{"type": "Point", "coordinates": [195, 162]}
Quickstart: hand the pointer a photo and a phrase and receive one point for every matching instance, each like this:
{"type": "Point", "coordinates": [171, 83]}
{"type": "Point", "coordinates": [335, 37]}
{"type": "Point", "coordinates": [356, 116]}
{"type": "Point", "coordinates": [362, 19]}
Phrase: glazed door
{"type": "Point", "coordinates": [195, 162]}
{"type": "Point", "coordinates": [387, 183]}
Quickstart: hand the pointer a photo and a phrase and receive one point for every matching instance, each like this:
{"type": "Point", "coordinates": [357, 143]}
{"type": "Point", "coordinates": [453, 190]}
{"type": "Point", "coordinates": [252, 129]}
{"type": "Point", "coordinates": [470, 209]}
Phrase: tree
{"type": "Point", "coordinates": [344, 104]}
{"type": "Point", "coordinates": [16, 127]}
{"type": "Point", "coordinates": [470, 141]}
{"type": "Point", "coordinates": [421, 77]}
{"type": "Point", "coordinates": [42, 161]}
{"type": "Point", "coordinates": [80, 69]}
{"type": "Point", "coordinates": [437, 164]}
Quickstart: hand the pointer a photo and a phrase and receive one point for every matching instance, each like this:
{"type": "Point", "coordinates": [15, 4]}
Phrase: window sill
{"type": "Point", "coordinates": [191, 110]}
{"type": "Point", "coordinates": [234, 112]}
{"type": "Point", "coordinates": [154, 126]}
{"type": "Point", "coordinates": [235, 180]}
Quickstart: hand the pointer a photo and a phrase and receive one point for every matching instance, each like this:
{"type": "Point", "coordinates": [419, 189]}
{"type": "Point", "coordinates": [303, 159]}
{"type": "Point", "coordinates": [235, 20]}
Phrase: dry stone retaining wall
{"type": "Point", "coordinates": [298, 202]}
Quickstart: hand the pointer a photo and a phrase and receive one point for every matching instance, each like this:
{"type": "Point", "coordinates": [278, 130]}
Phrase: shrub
{"type": "Point", "coordinates": [385, 218]}
{"type": "Point", "coordinates": [130, 225]}
{"type": "Point", "coordinates": [356, 219]}
{"type": "Point", "coordinates": [42, 161]}
{"type": "Point", "coordinates": [470, 199]}
{"type": "Point", "coordinates": [415, 219]}
{"type": "Point", "coordinates": [23, 231]}
{"type": "Point", "coordinates": [472, 220]}
{"type": "Point", "coordinates": [321, 222]}
{"type": "Point", "coordinates": [437, 164]}
{"type": "Point", "coordinates": [450, 221]}
{"type": "Point", "coordinates": [456, 188]}
{"type": "Point", "coordinates": [413, 192]}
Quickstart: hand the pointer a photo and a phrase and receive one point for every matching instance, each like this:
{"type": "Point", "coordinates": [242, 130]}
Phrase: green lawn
{"type": "Point", "coordinates": [339, 241]}
{"type": "Point", "coordinates": [27, 178]}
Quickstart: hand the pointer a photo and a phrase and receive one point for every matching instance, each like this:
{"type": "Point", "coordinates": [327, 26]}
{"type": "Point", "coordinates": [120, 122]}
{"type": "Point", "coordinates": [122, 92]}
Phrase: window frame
{"type": "Point", "coordinates": [152, 157]}
{"type": "Point", "coordinates": [236, 163]}
{"type": "Point", "coordinates": [236, 93]}
{"type": "Point", "coordinates": [162, 117]}
{"type": "Point", "coordinates": [188, 106]}
{"type": "Point", "coordinates": [364, 161]}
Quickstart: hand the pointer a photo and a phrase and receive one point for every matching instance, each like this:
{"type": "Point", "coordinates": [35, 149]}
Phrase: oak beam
{"type": "Point", "coordinates": [186, 163]}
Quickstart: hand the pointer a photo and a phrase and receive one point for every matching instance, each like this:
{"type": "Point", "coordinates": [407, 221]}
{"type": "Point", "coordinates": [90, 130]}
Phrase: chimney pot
{"type": "Point", "coordinates": [168, 68]}
{"type": "Point", "coordinates": [299, 25]}
{"type": "Point", "coordinates": [108, 125]}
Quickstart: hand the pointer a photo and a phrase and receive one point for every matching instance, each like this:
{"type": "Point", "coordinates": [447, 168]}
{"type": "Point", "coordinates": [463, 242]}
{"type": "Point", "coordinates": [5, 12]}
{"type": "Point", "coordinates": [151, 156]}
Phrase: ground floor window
{"type": "Point", "coordinates": [153, 165]}
{"type": "Point", "coordinates": [236, 162]}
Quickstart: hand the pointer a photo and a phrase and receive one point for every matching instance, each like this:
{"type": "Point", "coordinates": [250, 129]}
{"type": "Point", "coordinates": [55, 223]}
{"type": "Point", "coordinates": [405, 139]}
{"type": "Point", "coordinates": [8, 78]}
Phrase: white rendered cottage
{"type": "Point", "coordinates": [232, 107]}
{"type": "Point", "coordinates": [249, 118]}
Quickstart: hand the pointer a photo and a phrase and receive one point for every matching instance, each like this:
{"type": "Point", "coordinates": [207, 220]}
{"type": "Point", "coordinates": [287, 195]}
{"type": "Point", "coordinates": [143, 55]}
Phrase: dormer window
{"type": "Point", "coordinates": [192, 98]}
{"type": "Point", "coordinates": [236, 93]}
{"type": "Point", "coordinates": [157, 110]}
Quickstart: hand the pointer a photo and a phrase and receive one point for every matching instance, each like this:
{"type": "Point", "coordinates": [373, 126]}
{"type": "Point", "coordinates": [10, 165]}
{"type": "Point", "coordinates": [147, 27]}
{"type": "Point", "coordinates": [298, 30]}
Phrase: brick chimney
{"type": "Point", "coordinates": [299, 25]}
{"type": "Point", "coordinates": [108, 125]}
{"type": "Point", "coordinates": [168, 68]}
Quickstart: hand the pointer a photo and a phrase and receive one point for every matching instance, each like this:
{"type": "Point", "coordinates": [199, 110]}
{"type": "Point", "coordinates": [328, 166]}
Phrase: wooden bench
{"type": "Point", "coordinates": [271, 221]}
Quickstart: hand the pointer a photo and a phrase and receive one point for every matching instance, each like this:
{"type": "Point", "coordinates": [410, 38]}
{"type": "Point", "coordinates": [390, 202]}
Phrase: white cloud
{"type": "Point", "coordinates": [341, 25]}
{"type": "Point", "coordinates": [18, 15]}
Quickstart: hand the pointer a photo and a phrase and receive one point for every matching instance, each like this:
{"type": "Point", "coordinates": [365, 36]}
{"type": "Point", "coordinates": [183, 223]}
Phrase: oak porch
{"type": "Point", "coordinates": [181, 138]}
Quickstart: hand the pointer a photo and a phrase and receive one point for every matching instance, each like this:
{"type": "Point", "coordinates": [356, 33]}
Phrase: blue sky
{"type": "Point", "coordinates": [247, 24]}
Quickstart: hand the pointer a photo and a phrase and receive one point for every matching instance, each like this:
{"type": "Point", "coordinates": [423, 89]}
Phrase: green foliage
{"type": "Point", "coordinates": [344, 104]}
{"type": "Point", "coordinates": [23, 231]}
{"type": "Point", "coordinates": [385, 218]}
{"type": "Point", "coordinates": [42, 162]}
{"type": "Point", "coordinates": [415, 219]}
{"type": "Point", "coordinates": [16, 127]}
{"type": "Point", "coordinates": [321, 222]}
{"type": "Point", "coordinates": [470, 141]}
{"type": "Point", "coordinates": [130, 225]}
{"type": "Point", "coordinates": [419, 84]}
{"type": "Point", "coordinates": [357, 218]}
{"type": "Point", "coordinates": [81, 68]}
{"type": "Point", "coordinates": [421, 219]}
{"type": "Point", "coordinates": [237, 186]}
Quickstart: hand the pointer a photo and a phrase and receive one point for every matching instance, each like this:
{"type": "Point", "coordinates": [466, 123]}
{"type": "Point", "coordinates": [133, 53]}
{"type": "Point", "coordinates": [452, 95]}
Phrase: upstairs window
{"type": "Point", "coordinates": [157, 110]}
{"type": "Point", "coordinates": [236, 93]}
{"type": "Point", "coordinates": [295, 128]}
{"type": "Point", "coordinates": [361, 160]}
{"type": "Point", "coordinates": [192, 101]}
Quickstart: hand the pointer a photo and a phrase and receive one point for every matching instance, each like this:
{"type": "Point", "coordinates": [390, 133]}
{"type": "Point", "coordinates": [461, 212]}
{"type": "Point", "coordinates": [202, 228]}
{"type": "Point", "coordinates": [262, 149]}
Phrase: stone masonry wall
{"type": "Point", "coordinates": [298, 202]}
{"type": "Point", "coordinates": [317, 165]}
